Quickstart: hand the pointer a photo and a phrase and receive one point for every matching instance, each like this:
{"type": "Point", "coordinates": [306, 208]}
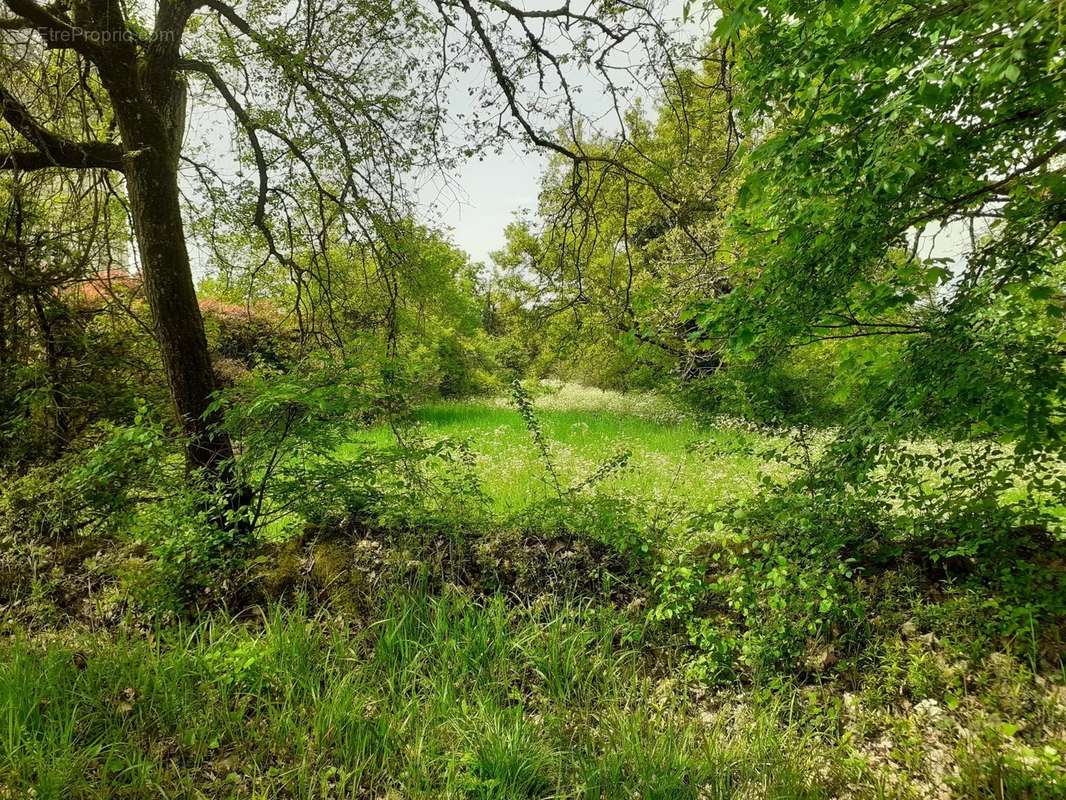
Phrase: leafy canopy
{"type": "Point", "coordinates": [873, 122]}
{"type": "Point", "coordinates": [883, 117]}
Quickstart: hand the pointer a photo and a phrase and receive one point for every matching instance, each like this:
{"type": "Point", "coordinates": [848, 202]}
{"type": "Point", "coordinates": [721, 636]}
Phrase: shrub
{"type": "Point", "coordinates": [42, 503]}
{"type": "Point", "coordinates": [192, 559]}
{"type": "Point", "coordinates": [787, 581]}
{"type": "Point", "coordinates": [251, 337]}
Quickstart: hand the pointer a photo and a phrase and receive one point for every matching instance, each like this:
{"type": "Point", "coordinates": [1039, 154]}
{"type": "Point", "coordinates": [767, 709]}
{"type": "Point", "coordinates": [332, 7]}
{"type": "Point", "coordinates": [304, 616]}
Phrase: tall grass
{"type": "Point", "coordinates": [442, 697]}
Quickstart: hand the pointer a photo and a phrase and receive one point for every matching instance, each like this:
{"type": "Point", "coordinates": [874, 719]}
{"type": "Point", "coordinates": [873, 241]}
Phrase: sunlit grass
{"type": "Point", "coordinates": [675, 460]}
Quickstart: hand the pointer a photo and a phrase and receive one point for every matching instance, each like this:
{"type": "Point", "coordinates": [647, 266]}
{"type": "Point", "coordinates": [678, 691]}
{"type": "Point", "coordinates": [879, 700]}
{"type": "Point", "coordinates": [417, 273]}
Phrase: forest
{"type": "Point", "coordinates": [730, 464]}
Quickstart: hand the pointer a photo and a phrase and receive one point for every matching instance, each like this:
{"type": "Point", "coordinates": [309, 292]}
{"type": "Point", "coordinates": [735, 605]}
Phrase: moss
{"type": "Point", "coordinates": [330, 563]}
{"type": "Point", "coordinates": [281, 569]}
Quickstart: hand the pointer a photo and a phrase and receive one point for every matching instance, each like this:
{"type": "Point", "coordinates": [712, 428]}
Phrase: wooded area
{"type": "Point", "coordinates": [737, 470]}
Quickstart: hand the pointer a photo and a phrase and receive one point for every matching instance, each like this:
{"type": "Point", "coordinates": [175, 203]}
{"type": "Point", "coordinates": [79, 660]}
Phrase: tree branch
{"type": "Point", "coordinates": [251, 130]}
{"type": "Point", "coordinates": [56, 32]}
{"type": "Point", "coordinates": [50, 150]}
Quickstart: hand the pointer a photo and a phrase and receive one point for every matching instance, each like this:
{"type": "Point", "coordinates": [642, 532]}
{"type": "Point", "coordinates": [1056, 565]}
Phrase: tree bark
{"type": "Point", "coordinates": [61, 436]}
{"type": "Point", "coordinates": [168, 285]}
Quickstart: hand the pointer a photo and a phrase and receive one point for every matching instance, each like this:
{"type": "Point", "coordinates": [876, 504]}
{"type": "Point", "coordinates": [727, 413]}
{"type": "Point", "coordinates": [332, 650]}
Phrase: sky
{"type": "Point", "coordinates": [488, 191]}
{"type": "Point", "coordinates": [476, 202]}
{"type": "Point", "coordinates": [486, 194]}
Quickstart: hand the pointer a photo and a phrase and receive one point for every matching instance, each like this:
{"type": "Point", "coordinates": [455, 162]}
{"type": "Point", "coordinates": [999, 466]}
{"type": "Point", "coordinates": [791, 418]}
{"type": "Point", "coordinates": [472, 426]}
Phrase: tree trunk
{"type": "Point", "coordinates": [61, 436]}
{"type": "Point", "coordinates": [149, 105]}
{"type": "Point", "coordinates": [152, 183]}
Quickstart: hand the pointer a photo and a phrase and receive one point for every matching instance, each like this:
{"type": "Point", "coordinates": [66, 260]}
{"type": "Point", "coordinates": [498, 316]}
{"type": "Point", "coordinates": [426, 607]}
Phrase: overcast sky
{"type": "Point", "coordinates": [476, 202]}
{"type": "Point", "coordinates": [488, 191]}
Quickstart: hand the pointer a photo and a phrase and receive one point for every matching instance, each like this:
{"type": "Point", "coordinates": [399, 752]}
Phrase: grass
{"type": "Point", "coordinates": [672, 459]}
{"type": "Point", "coordinates": [442, 697]}
{"type": "Point", "coordinates": [467, 693]}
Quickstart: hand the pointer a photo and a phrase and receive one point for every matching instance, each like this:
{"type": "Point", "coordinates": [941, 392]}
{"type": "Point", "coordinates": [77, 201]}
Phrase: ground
{"type": "Point", "coordinates": [373, 670]}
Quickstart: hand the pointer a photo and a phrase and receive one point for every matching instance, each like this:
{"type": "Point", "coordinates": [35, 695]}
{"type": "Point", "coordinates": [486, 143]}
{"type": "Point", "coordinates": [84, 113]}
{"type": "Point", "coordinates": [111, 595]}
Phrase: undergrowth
{"type": "Point", "coordinates": [786, 638]}
{"type": "Point", "coordinates": [440, 697]}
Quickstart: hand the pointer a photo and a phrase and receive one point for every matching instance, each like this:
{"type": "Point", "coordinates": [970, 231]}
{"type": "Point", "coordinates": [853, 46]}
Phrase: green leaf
{"type": "Point", "coordinates": [1041, 292]}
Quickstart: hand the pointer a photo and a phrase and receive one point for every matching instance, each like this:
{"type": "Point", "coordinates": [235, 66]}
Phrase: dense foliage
{"type": "Point", "coordinates": [881, 122]}
{"type": "Point", "coordinates": [738, 472]}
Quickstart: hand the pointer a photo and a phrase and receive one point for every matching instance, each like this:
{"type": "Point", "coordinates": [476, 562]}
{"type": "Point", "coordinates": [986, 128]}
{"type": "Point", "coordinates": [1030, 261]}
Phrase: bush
{"type": "Point", "coordinates": [192, 560]}
{"type": "Point", "coordinates": [772, 589]}
{"type": "Point", "coordinates": [448, 363]}
{"type": "Point", "coordinates": [251, 337]}
{"type": "Point", "coordinates": [788, 581]}
{"type": "Point", "coordinates": [42, 503]}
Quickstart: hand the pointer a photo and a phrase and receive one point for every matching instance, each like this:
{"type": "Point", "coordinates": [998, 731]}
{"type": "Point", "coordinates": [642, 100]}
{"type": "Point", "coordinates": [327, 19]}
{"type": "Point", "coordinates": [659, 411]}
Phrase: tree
{"type": "Point", "coordinates": [621, 262]}
{"type": "Point", "coordinates": [334, 104]}
{"type": "Point", "coordinates": [146, 96]}
{"type": "Point", "coordinates": [57, 352]}
{"type": "Point", "coordinates": [874, 121]}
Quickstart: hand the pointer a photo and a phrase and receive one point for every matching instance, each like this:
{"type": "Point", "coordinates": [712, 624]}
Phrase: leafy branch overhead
{"type": "Point", "coordinates": [883, 119]}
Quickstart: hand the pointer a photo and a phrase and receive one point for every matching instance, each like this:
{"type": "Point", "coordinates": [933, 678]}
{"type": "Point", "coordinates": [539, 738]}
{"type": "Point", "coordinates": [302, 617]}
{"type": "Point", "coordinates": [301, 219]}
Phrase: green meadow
{"type": "Point", "coordinates": [673, 458]}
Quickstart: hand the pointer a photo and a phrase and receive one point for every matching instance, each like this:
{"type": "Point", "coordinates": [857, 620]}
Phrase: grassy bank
{"type": "Point", "coordinates": [440, 697]}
